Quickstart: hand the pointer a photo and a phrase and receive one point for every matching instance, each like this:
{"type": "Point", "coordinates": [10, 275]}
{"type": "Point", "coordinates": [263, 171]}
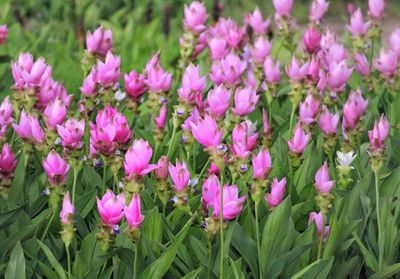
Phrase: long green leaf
{"type": "Point", "coordinates": [53, 261]}
{"type": "Point", "coordinates": [16, 264]}
{"type": "Point", "coordinates": [318, 269]}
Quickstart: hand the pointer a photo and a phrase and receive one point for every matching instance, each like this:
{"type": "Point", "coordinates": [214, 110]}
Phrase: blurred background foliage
{"type": "Point", "coordinates": [55, 29]}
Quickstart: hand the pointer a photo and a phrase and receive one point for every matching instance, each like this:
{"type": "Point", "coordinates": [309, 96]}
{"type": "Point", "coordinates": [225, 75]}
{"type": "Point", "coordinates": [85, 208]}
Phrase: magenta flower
{"type": "Point", "coordinates": [7, 161]}
{"type": "Point", "coordinates": [322, 182]}
{"type": "Point", "coordinates": [312, 40]}
{"type": "Point", "coordinates": [245, 134]}
{"type": "Point", "coordinates": [387, 62]}
{"type": "Point", "coordinates": [56, 168]}
{"type": "Point", "coordinates": [309, 110]}
{"type": "Point", "coordinates": [89, 86]}
{"type": "Point", "coordinates": [71, 133]}
{"type": "Point", "coordinates": [295, 71]}
{"type": "Point", "coordinates": [231, 68]}
{"type": "Point", "coordinates": [218, 100]}
{"type": "Point", "coordinates": [232, 204]}
{"type": "Point", "coordinates": [394, 41]}
{"type": "Point", "coordinates": [328, 122]}
{"type": "Point", "coordinates": [210, 190]}
{"type": "Point", "coordinates": [207, 132]}
{"type": "Point", "coordinates": [218, 47]}
{"type": "Point", "coordinates": [246, 100]}
{"type": "Point", "coordinates": [55, 114]}
{"type": "Point", "coordinates": [134, 85]}
{"type": "Point", "coordinates": [50, 91]}
{"type": "Point", "coordinates": [318, 219]}
{"type": "Point", "coordinates": [339, 73]}
{"type": "Point", "coordinates": [161, 172]}
{"type": "Point", "coordinates": [6, 111]}
{"type": "Point", "coordinates": [67, 210]}
{"type": "Point", "coordinates": [335, 53]}
{"type": "Point", "coordinates": [3, 34]}
{"type": "Point", "coordinates": [180, 175]}
{"type": "Point", "coordinates": [133, 213]}
{"type": "Point", "coordinates": [137, 159]}
{"type": "Point", "coordinates": [318, 9]}
{"type": "Point", "coordinates": [361, 64]}
{"type": "Point", "coordinates": [100, 42]}
{"type": "Point", "coordinates": [274, 198]}
{"type": "Point", "coordinates": [262, 164]}
{"type": "Point", "coordinates": [195, 17]}
{"type": "Point", "coordinates": [29, 129]}
{"type": "Point", "coordinates": [300, 140]}
{"type": "Point", "coordinates": [192, 84]}
{"type": "Point", "coordinates": [261, 49]}
{"type": "Point", "coordinates": [376, 8]}
{"type": "Point", "coordinates": [111, 208]}
{"type": "Point", "coordinates": [256, 22]}
{"type": "Point", "coordinates": [272, 71]}
{"type": "Point", "coordinates": [283, 7]}
{"type": "Point", "coordinates": [157, 79]}
{"type": "Point", "coordinates": [193, 118]}
{"type": "Point", "coordinates": [160, 120]}
{"type": "Point", "coordinates": [108, 72]}
{"type": "Point", "coordinates": [378, 135]}
{"type": "Point", "coordinates": [357, 26]}
{"type": "Point", "coordinates": [354, 109]}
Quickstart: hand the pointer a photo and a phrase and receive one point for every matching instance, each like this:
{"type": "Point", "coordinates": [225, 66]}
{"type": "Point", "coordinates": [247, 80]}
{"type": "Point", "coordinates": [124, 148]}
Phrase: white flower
{"type": "Point", "coordinates": [345, 159]}
{"type": "Point", "coordinates": [119, 95]}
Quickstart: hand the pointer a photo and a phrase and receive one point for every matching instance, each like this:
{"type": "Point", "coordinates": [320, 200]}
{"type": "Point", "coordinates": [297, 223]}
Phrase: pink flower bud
{"type": "Point", "coordinates": [210, 190]}
{"type": "Point", "coordinates": [180, 175]}
{"type": "Point", "coordinates": [7, 161]}
{"type": "Point", "coordinates": [313, 69]}
{"type": "Point", "coordinates": [339, 73]}
{"type": "Point", "coordinates": [56, 168]}
{"type": "Point", "coordinates": [350, 8]}
{"type": "Point", "coordinates": [3, 34]}
{"type": "Point", "coordinates": [335, 53]}
{"type": "Point", "coordinates": [283, 7]}
{"type": "Point", "coordinates": [161, 172]}
{"type": "Point", "coordinates": [318, 9]}
{"type": "Point", "coordinates": [232, 204]}
{"type": "Point", "coordinates": [387, 62]}
{"type": "Point", "coordinates": [207, 132]}
{"type": "Point", "coordinates": [354, 109]}
{"type": "Point", "coordinates": [295, 71]}
{"type": "Point", "coordinates": [376, 8]}
{"type": "Point", "coordinates": [133, 213]}
{"type": "Point", "coordinates": [55, 114]}
{"type": "Point", "coordinates": [328, 122]}
{"type": "Point", "coordinates": [322, 182]}
{"type": "Point", "coordinates": [67, 211]}
{"type": "Point", "coordinates": [262, 164]}
{"type": "Point", "coordinates": [378, 135]}
{"type": "Point", "coordinates": [328, 39]}
{"type": "Point", "coordinates": [6, 112]}
{"type": "Point", "coordinates": [245, 134]}
{"type": "Point", "coordinates": [71, 133]}
{"type": "Point", "coordinates": [100, 42]}
{"type": "Point", "coordinates": [277, 191]}
{"type": "Point", "coordinates": [193, 118]}
{"type": "Point", "coordinates": [134, 85]}
{"type": "Point", "coordinates": [137, 159]}
{"type": "Point", "coordinates": [312, 40]}
{"type": "Point", "coordinates": [195, 17]}
{"type": "Point", "coordinates": [88, 87]}
{"type": "Point", "coordinates": [357, 26]}
{"type": "Point", "coordinates": [318, 219]}
{"type": "Point", "coordinates": [309, 110]}
{"type": "Point", "coordinates": [218, 100]}
{"type": "Point", "coordinates": [50, 91]}
{"type": "Point", "coordinates": [261, 49]}
{"type": "Point", "coordinates": [300, 140]}
{"type": "Point", "coordinates": [213, 169]}
{"type": "Point", "coordinates": [192, 84]}
{"type": "Point", "coordinates": [394, 41]}
{"type": "Point", "coordinates": [218, 47]}
{"type": "Point", "coordinates": [361, 64]}
{"type": "Point", "coordinates": [157, 79]}
{"type": "Point", "coordinates": [267, 130]}
{"type": "Point", "coordinates": [256, 22]}
{"type": "Point", "coordinates": [108, 72]}
{"type": "Point", "coordinates": [29, 129]}
{"type": "Point", "coordinates": [231, 68]}
{"type": "Point", "coordinates": [162, 118]}
{"type": "Point", "coordinates": [246, 100]}
{"type": "Point", "coordinates": [111, 208]}
{"type": "Point", "coordinates": [272, 71]}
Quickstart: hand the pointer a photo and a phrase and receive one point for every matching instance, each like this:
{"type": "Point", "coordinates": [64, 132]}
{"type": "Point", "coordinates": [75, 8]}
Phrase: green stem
{"type": "Point", "coordinates": [221, 226]}
{"type": "Point", "coordinates": [76, 172]}
{"type": "Point", "coordinates": [378, 219]}
{"type": "Point", "coordinates": [209, 259]}
{"type": "Point", "coordinates": [48, 226]}
{"type": "Point", "coordinates": [291, 178]}
{"type": "Point", "coordinates": [256, 204]}
{"type": "Point", "coordinates": [69, 261]}
{"type": "Point", "coordinates": [321, 237]}
{"type": "Point", "coordinates": [135, 260]}
{"type": "Point", "coordinates": [291, 120]}
{"type": "Point", "coordinates": [172, 141]}
{"type": "Point", "coordinates": [372, 52]}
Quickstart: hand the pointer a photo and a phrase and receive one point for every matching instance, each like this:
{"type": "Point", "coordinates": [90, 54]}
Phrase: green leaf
{"type": "Point", "coordinates": [153, 228]}
{"type": "Point", "coordinates": [318, 269]}
{"type": "Point", "coordinates": [16, 264]}
{"type": "Point", "coordinates": [387, 272]}
{"type": "Point", "coordinates": [53, 261]}
{"type": "Point", "coordinates": [9, 217]}
{"type": "Point", "coordinates": [193, 274]}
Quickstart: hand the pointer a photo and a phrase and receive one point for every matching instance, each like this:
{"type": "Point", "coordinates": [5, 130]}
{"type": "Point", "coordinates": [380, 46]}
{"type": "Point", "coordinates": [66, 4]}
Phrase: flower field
{"type": "Point", "coordinates": [177, 142]}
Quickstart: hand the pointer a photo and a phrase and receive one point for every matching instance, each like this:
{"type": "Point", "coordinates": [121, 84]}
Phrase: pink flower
{"type": "Point", "coordinates": [28, 73]}
{"type": "Point", "coordinates": [180, 175]}
{"type": "Point", "coordinates": [322, 182]}
{"type": "Point", "coordinates": [328, 39]}
{"type": "Point", "coordinates": [89, 87]}
{"type": "Point", "coordinates": [192, 84]}
{"type": "Point", "coordinates": [162, 118]}
{"type": "Point", "coordinates": [195, 17]}
{"type": "Point", "coordinates": [378, 135]}
{"type": "Point", "coordinates": [218, 100]}
{"type": "Point", "coordinates": [261, 49]}
{"type": "Point", "coordinates": [111, 208]}
{"type": "Point", "coordinates": [55, 114]}
{"type": "Point", "coordinates": [71, 133]}
{"type": "Point", "coordinates": [376, 8]}
{"type": "Point", "coordinates": [267, 130]}
{"type": "Point", "coordinates": [210, 190]}
{"type": "Point", "coordinates": [300, 140]}
{"type": "Point", "coordinates": [283, 7]}
{"type": "Point", "coordinates": [67, 211]}
{"type": "Point", "coordinates": [3, 34]}
{"type": "Point", "coordinates": [108, 72]}
{"type": "Point", "coordinates": [309, 110]}
{"type": "Point", "coordinates": [262, 164]}
{"type": "Point", "coordinates": [318, 219]}
{"type": "Point", "coordinates": [245, 134]}
{"type": "Point", "coordinates": [6, 112]}
{"type": "Point", "coordinates": [394, 41]}
{"type": "Point", "coordinates": [318, 9]}
{"type": "Point", "coordinates": [100, 42]}
{"type": "Point", "coordinates": [314, 68]}
{"type": "Point", "coordinates": [361, 64]}
{"type": "Point", "coordinates": [256, 22]}
{"type": "Point", "coordinates": [29, 129]}
{"type": "Point", "coordinates": [218, 47]}
{"type": "Point", "coordinates": [354, 109]}
{"type": "Point", "coordinates": [312, 40]}
{"type": "Point", "coordinates": [50, 91]}
{"type": "Point", "coordinates": [56, 168]}
{"type": "Point", "coordinates": [137, 159]}
{"type": "Point", "coordinates": [357, 26]}
{"type": "Point", "coordinates": [339, 73]}
{"type": "Point", "coordinates": [335, 53]}
{"type": "Point", "coordinates": [134, 85]}
{"type": "Point", "coordinates": [232, 204]}
{"type": "Point", "coordinates": [207, 132]}
{"type": "Point", "coordinates": [328, 122]}
{"type": "Point", "coordinates": [193, 118]}
{"type": "Point", "coordinates": [231, 68]}
{"type": "Point", "coordinates": [213, 169]}
{"type": "Point", "coordinates": [387, 62]}
{"type": "Point", "coordinates": [277, 191]}
{"type": "Point", "coordinates": [133, 213]}
{"type": "Point", "coordinates": [350, 8]}
{"type": "Point", "coordinates": [161, 172]}
{"type": "Point", "coordinates": [246, 100]}
{"type": "Point", "coordinates": [272, 71]}
{"type": "Point", "coordinates": [295, 71]}
{"type": "Point", "coordinates": [7, 161]}
{"type": "Point", "coordinates": [157, 79]}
